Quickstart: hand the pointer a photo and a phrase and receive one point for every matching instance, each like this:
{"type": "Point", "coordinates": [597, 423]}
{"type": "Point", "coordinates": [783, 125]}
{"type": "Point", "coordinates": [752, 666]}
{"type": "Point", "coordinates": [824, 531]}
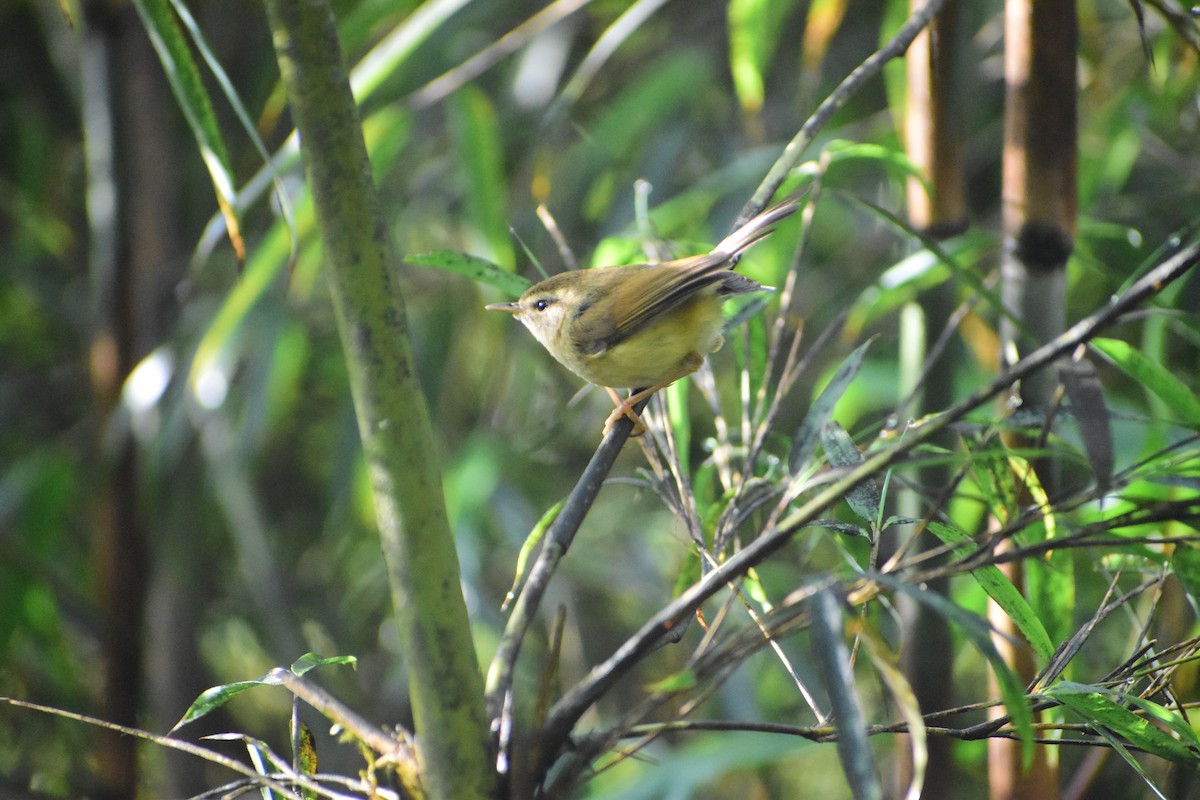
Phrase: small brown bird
{"type": "Point", "coordinates": [644, 326]}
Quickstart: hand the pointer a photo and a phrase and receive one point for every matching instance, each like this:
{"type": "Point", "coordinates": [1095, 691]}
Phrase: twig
{"type": "Point", "coordinates": [836, 99]}
{"type": "Point", "coordinates": [557, 540]}
{"type": "Point", "coordinates": [277, 783]}
{"type": "Point", "coordinates": [446, 83]}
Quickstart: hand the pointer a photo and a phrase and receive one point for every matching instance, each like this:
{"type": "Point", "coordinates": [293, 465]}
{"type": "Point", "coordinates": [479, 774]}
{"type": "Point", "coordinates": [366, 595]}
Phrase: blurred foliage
{"type": "Point", "coordinates": [251, 477]}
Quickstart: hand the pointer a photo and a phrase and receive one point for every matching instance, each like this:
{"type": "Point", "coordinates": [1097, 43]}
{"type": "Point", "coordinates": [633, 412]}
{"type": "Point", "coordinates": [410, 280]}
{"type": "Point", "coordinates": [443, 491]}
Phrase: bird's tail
{"type": "Point", "coordinates": [756, 228]}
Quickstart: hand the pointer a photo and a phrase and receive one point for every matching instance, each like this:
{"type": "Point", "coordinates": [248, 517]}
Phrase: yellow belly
{"type": "Point", "coordinates": [664, 350]}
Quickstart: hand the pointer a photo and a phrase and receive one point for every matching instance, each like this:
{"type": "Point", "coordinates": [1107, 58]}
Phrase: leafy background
{"type": "Point", "coordinates": [248, 479]}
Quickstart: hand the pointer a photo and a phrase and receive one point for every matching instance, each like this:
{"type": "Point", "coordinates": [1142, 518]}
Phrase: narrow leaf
{"type": "Point", "coordinates": [1186, 563]}
{"type": "Point", "coordinates": [754, 28]}
{"type": "Point", "coordinates": [188, 88]}
{"type": "Point", "coordinates": [1082, 382]}
{"type": "Point", "coordinates": [531, 541]}
{"type": "Point", "coordinates": [1102, 710]}
{"type": "Point", "coordinates": [998, 587]}
{"type": "Point", "coordinates": [979, 633]}
{"type": "Point", "coordinates": [834, 659]}
{"type": "Point", "coordinates": [887, 665]}
{"type": "Point", "coordinates": [311, 660]}
{"type": "Point", "coordinates": [477, 269]}
{"type": "Point", "coordinates": [478, 135]}
{"type": "Point", "coordinates": [864, 499]}
{"type": "Point", "coordinates": [1155, 377]}
{"type": "Point", "coordinates": [306, 758]}
{"type": "Point", "coordinates": [822, 408]}
{"type": "Point", "coordinates": [212, 699]}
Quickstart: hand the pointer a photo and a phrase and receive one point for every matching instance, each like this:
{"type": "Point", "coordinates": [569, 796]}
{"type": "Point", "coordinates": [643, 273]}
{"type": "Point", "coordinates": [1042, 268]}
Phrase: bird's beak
{"type": "Point", "coordinates": [511, 308]}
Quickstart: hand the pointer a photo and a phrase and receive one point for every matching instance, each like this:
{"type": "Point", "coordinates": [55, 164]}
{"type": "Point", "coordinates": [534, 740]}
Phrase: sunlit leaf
{"type": "Point", "coordinates": [824, 20]}
{"type": "Point", "coordinates": [212, 699]}
{"type": "Point", "coordinates": [310, 661]}
{"type": "Point", "coordinates": [306, 758]}
{"type": "Point", "coordinates": [188, 87]}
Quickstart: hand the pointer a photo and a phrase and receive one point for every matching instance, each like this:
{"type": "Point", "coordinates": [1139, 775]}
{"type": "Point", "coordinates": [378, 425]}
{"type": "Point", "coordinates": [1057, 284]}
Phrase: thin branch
{"type": "Point", "coordinates": [557, 541]}
{"type": "Point", "coordinates": [440, 87]}
{"type": "Point", "coordinates": [278, 783]}
{"type": "Point", "coordinates": [849, 87]}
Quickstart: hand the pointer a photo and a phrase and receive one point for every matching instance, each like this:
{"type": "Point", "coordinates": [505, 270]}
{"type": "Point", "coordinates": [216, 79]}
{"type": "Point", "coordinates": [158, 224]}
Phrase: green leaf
{"type": "Point", "coordinates": [822, 408]}
{"type": "Point", "coordinates": [979, 632]}
{"type": "Point", "coordinates": [677, 682]}
{"type": "Point", "coordinates": [477, 269]}
{"type": "Point", "coordinates": [1104, 708]}
{"type": "Point", "coordinates": [1155, 377]}
{"type": "Point", "coordinates": [310, 661]}
{"type": "Point", "coordinates": [1001, 590]}
{"type": "Point", "coordinates": [865, 498]}
{"type": "Point", "coordinates": [754, 28]}
{"type": "Point", "coordinates": [480, 150]}
{"type": "Point", "coordinates": [261, 272]}
{"type": "Point", "coordinates": [680, 419]}
{"type": "Point", "coordinates": [1186, 563]}
{"type": "Point", "coordinates": [212, 699]}
{"type": "Point", "coordinates": [837, 673]}
{"type": "Point", "coordinates": [531, 541]}
{"type": "Point", "coordinates": [188, 88]}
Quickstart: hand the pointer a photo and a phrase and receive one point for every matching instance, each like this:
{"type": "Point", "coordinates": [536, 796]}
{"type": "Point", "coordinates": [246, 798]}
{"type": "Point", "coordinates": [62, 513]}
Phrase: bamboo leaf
{"type": "Point", "coordinates": [822, 408]}
{"type": "Point", "coordinates": [477, 269]}
{"type": "Point", "coordinates": [1082, 383]}
{"type": "Point", "coordinates": [834, 659]}
{"type": "Point", "coordinates": [479, 140]}
{"type": "Point", "coordinates": [188, 88]}
{"type": "Point", "coordinates": [865, 498]}
{"type": "Point", "coordinates": [754, 28]}
{"type": "Point", "coordinates": [979, 633]}
{"type": "Point", "coordinates": [527, 547]}
{"type": "Point", "coordinates": [887, 664]}
{"type": "Point", "coordinates": [1001, 590]}
{"type": "Point", "coordinates": [310, 661]}
{"type": "Point", "coordinates": [213, 698]}
{"type": "Point", "coordinates": [1104, 708]}
{"type": "Point", "coordinates": [1155, 377]}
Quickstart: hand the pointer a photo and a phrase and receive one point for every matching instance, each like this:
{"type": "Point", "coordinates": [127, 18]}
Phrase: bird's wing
{"type": "Point", "coordinates": [649, 291]}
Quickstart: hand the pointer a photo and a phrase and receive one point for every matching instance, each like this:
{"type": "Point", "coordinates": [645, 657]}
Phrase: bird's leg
{"type": "Point", "coordinates": [625, 407]}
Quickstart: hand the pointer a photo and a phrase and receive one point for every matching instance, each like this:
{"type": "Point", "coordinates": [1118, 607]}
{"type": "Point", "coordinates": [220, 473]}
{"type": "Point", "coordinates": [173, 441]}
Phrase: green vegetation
{"type": "Point", "coordinates": [239, 380]}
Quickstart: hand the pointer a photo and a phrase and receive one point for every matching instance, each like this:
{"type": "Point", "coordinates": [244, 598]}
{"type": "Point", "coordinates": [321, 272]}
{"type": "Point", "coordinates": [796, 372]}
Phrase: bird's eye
{"type": "Point", "coordinates": [542, 305]}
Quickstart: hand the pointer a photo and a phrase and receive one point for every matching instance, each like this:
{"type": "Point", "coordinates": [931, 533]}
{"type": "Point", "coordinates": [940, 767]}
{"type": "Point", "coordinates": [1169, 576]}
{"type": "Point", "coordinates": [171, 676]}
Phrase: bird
{"type": "Point", "coordinates": [642, 326]}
